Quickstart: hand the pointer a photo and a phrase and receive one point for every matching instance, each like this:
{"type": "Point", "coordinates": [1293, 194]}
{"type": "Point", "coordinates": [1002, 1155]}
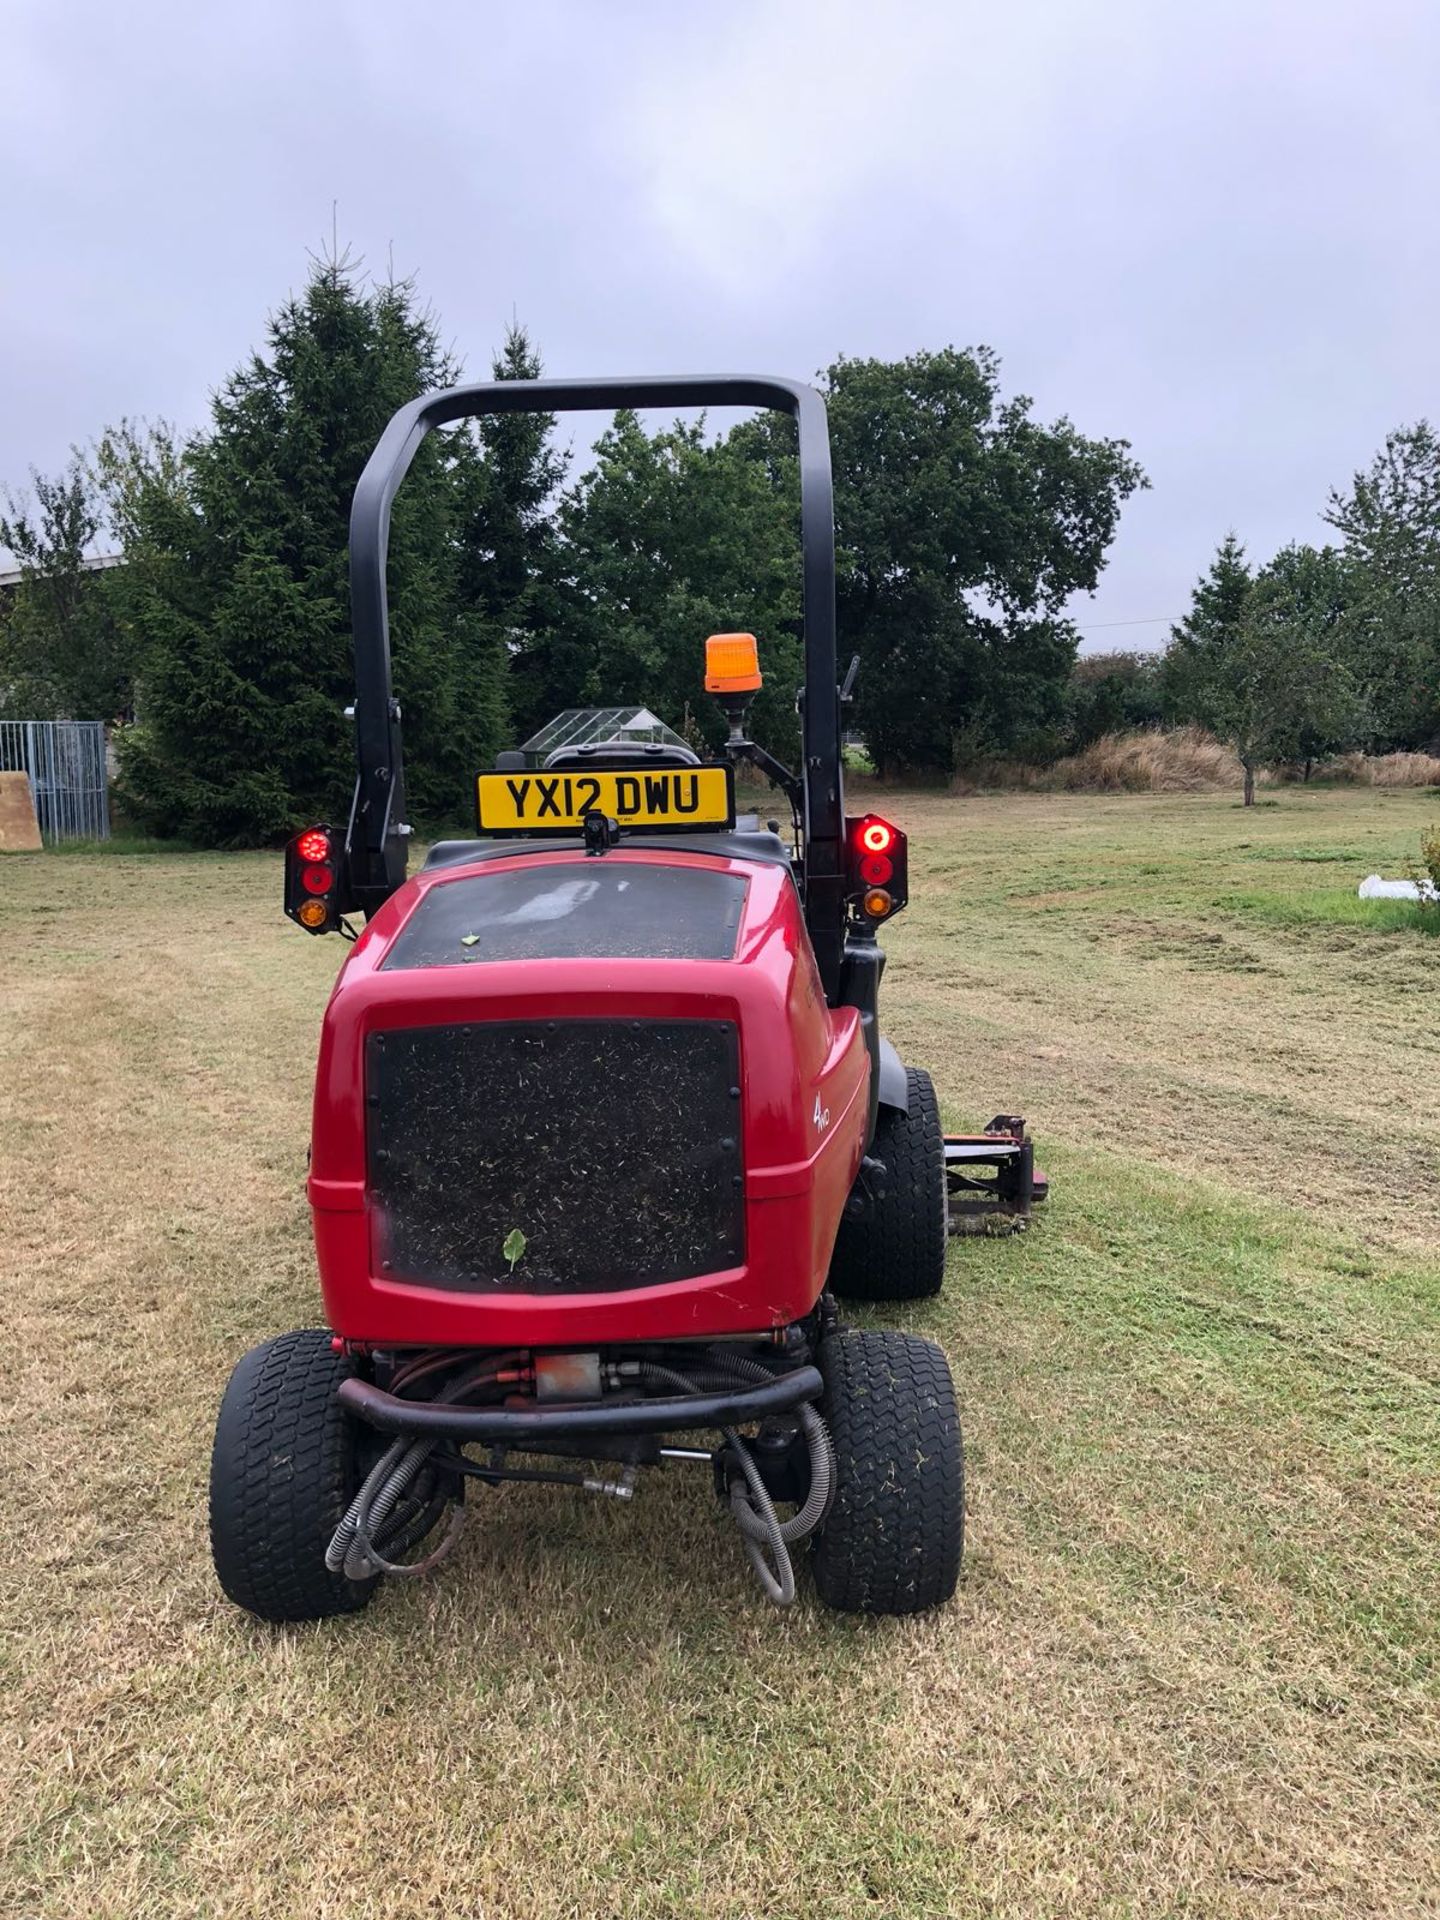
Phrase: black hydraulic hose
{"type": "Point", "coordinates": [778, 1581]}
{"type": "Point", "coordinates": [760, 1527]}
{"type": "Point", "coordinates": [374, 1505]}
{"type": "Point", "coordinates": [816, 1505]}
{"type": "Point", "coordinates": [777, 1575]}
{"type": "Point", "coordinates": [353, 1547]}
{"type": "Point", "coordinates": [517, 1426]}
{"type": "Point", "coordinates": [415, 1521]}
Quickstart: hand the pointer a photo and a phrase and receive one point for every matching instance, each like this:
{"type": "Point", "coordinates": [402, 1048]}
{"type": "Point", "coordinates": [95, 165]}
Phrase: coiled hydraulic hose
{"type": "Point", "coordinates": [762, 1532]}
{"type": "Point", "coordinates": [352, 1547]}
{"type": "Point", "coordinates": [808, 1517]}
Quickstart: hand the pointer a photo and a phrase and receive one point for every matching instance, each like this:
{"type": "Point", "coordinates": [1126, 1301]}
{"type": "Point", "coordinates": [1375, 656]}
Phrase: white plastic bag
{"type": "Point", "coordinates": [1374, 888]}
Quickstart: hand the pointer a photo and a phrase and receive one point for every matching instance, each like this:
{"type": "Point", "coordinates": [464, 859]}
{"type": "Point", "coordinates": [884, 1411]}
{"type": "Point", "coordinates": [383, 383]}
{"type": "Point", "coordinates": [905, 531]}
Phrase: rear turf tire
{"type": "Point", "coordinates": [896, 1251]}
{"type": "Point", "coordinates": [892, 1541]}
{"type": "Point", "coordinates": [285, 1467]}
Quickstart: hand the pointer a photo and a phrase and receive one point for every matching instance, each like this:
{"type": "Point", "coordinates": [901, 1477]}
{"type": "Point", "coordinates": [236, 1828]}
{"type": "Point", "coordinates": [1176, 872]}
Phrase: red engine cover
{"type": "Point", "coordinates": [804, 1098]}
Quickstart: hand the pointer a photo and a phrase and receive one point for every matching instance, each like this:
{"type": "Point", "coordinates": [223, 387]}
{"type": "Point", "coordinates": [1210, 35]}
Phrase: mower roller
{"type": "Point", "coordinates": [604, 1128]}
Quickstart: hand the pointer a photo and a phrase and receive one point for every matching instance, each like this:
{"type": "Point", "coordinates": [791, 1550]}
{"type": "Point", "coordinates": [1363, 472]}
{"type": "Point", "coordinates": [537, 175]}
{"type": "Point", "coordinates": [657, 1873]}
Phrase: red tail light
{"type": "Point", "coordinates": [877, 861]}
{"type": "Point", "coordinates": [315, 883]}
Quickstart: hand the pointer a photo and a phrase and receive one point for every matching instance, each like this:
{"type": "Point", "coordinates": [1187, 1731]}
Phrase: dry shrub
{"type": "Point", "coordinates": [1185, 760]}
{"type": "Point", "coordinates": [1367, 770]}
{"type": "Point", "coordinates": [1382, 770]}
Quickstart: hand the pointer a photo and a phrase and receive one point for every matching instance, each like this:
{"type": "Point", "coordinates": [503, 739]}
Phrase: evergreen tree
{"type": "Point", "coordinates": [1217, 607]}
{"type": "Point", "coordinates": [239, 583]}
{"type": "Point", "coordinates": [512, 531]}
{"type": "Point", "coordinates": [510, 570]}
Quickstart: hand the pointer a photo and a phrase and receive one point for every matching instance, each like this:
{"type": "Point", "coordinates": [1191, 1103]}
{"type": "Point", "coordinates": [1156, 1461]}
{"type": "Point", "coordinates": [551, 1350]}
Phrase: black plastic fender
{"type": "Point", "coordinates": [892, 1077]}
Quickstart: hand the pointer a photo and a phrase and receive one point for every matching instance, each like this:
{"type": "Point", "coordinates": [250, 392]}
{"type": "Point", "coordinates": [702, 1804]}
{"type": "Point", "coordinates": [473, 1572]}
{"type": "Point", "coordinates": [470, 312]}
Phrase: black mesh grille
{"type": "Point", "coordinates": [612, 1145]}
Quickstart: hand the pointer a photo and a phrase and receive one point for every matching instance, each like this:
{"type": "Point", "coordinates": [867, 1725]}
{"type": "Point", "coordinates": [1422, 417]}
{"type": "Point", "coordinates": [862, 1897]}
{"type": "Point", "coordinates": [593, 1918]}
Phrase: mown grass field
{"type": "Point", "coordinates": [1192, 1668]}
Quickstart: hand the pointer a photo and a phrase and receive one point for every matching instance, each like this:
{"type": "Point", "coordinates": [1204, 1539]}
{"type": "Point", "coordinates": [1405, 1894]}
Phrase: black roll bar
{"type": "Point", "coordinates": [377, 839]}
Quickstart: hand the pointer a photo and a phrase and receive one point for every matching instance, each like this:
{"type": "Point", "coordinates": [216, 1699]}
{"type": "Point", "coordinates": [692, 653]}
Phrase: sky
{"type": "Point", "coordinates": [1209, 229]}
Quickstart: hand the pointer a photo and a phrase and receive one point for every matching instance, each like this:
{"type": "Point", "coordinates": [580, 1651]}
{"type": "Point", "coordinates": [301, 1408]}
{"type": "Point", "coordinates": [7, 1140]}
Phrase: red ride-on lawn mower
{"type": "Point", "coordinates": [604, 1126]}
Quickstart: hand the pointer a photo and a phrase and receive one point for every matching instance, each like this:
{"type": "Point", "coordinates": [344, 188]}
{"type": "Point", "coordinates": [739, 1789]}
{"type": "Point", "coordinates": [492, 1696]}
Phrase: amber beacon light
{"type": "Point", "coordinates": [732, 663]}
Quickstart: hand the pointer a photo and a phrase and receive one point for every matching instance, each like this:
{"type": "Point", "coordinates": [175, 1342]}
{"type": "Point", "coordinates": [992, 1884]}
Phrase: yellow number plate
{"type": "Point", "coordinates": [671, 797]}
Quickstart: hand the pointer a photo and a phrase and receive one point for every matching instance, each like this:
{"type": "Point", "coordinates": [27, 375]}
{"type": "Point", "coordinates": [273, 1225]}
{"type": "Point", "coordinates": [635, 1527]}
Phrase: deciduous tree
{"type": "Point", "coordinates": [1111, 693]}
{"type": "Point", "coordinates": [965, 525]}
{"type": "Point", "coordinates": [63, 652]}
{"type": "Point", "coordinates": [669, 537]}
{"type": "Point", "coordinates": [1390, 522]}
{"type": "Point", "coordinates": [1263, 661]}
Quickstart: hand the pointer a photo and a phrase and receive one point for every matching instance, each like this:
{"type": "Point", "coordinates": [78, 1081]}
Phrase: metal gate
{"type": "Point", "coordinates": [65, 760]}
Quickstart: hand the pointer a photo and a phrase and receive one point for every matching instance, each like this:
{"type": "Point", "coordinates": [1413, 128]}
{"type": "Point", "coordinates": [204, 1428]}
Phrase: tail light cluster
{"type": "Point", "coordinates": [315, 891]}
{"type": "Point", "coordinates": [879, 866]}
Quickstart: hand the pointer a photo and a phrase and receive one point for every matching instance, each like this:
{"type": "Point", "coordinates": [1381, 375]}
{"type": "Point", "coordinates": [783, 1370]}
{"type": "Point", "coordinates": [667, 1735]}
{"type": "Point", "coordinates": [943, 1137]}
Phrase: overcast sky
{"type": "Point", "coordinates": [1211, 228]}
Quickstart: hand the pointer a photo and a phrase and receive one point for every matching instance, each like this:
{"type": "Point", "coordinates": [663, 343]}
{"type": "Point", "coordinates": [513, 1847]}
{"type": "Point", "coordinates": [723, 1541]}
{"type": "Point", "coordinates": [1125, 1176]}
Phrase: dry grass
{"type": "Point", "coordinates": [1193, 1665]}
{"type": "Point", "coordinates": [1183, 760]}
{"type": "Point", "coordinates": [1382, 769]}
{"type": "Point", "coordinates": [1180, 760]}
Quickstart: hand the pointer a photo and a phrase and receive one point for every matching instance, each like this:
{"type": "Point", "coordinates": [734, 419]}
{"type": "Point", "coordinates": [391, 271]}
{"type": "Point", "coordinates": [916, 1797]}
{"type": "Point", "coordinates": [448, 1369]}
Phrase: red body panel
{"type": "Point", "coordinates": [805, 1089]}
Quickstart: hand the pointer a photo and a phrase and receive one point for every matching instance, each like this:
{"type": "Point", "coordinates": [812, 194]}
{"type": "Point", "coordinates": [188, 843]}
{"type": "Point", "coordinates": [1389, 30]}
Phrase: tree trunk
{"type": "Point", "coordinates": [1308, 765]}
{"type": "Point", "coordinates": [1249, 783]}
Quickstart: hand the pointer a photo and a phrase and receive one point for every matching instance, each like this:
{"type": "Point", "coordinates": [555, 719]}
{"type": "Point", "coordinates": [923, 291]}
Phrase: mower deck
{"type": "Point", "coordinates": [979, 1205]}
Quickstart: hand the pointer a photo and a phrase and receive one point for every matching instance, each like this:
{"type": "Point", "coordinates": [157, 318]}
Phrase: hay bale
{"type": "Point", "coordinates": [19, 829]}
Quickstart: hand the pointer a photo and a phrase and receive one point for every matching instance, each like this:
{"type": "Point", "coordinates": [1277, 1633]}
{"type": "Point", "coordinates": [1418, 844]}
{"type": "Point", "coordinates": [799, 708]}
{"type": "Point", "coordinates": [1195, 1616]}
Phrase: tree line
{"type": "Point", "coordinates": [520, 586]}
{"type": "Point", "coordinates": [1319, 651]}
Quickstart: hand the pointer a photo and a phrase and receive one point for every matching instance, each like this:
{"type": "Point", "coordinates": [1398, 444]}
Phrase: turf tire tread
{"type": "Point", "coordinates": [896, 1251]}
{"type": "Point", "coordinates": [283, 1471]}
{"type": "Point", "coordinates": [894, 1536]}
